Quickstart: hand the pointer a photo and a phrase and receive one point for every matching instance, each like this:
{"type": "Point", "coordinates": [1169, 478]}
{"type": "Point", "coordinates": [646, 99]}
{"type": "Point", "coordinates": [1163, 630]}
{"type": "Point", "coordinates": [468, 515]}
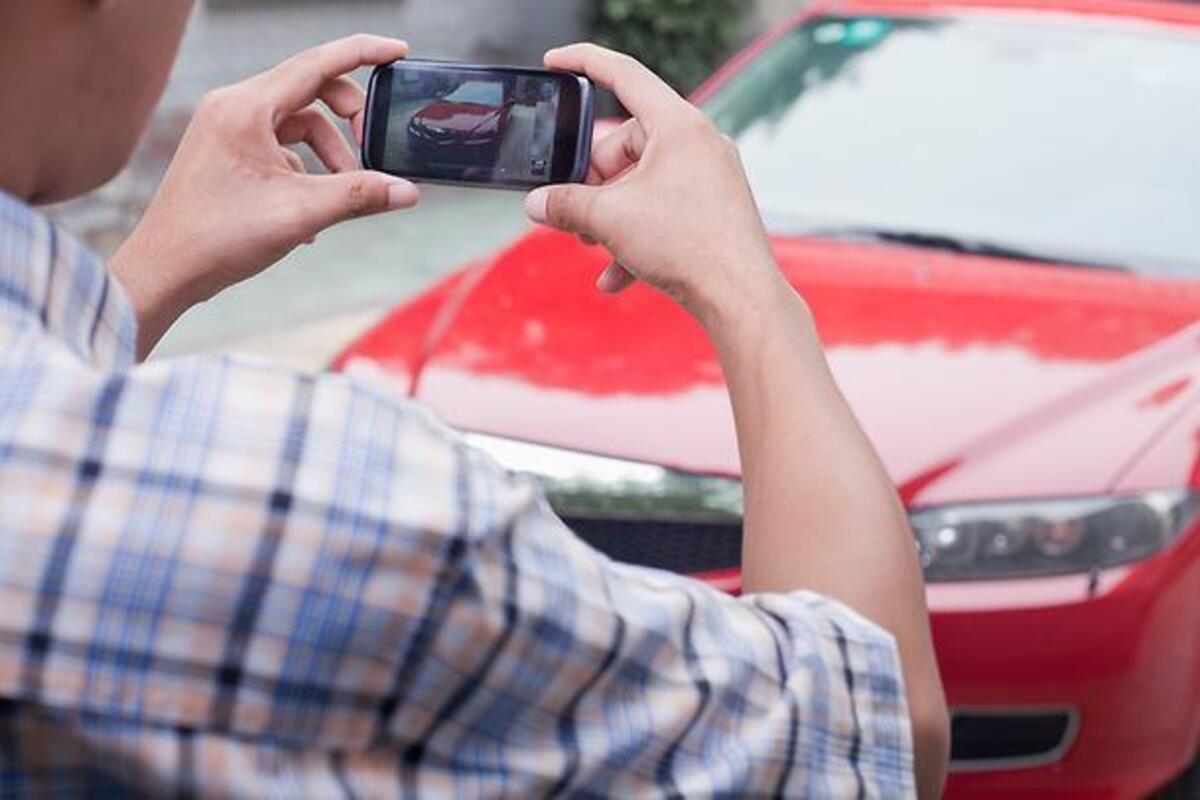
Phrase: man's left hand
{"type": "Point", "coordinates": [236, 200]}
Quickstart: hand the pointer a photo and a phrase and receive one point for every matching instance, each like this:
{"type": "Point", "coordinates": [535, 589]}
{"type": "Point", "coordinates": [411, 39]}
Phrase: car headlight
{"type": "Point", "coordinates": [1009, 540]}
{"type": "Point", "coordinates": [975, 541]}
{"type": "Point", "coordinates": [417, 126]}
{"type": "Point", "coordinates": [488, 127]}
{"type": "Point", "coordinates": [582, 485]}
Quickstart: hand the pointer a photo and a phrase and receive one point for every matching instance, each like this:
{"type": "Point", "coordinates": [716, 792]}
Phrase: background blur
{"type": "Point", "coordinates": [323, 295]}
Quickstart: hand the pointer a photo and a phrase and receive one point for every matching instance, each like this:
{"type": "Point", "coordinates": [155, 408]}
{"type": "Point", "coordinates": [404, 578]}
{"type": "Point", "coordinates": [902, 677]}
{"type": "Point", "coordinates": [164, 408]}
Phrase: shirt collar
{"type": "Point", "coordinates": [48, 276]}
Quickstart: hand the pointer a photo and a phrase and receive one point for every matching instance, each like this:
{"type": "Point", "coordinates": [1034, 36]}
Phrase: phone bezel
{"type": "Point", "coordinates": [573, 132]}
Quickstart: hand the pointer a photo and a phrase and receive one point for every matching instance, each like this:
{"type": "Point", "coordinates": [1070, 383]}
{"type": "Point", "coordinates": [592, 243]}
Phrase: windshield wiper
{"type": "Point", "coordinates": [953, 244]}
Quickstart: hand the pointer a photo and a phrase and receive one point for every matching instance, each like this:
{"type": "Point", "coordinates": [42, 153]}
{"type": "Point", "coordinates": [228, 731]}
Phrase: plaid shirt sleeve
{"type": "Point", "coordinates": [222, 579]}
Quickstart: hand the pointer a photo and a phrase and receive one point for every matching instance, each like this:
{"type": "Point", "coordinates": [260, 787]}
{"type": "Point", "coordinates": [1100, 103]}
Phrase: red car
{"type": "Point", "coordinates": [994, 210]}
{"type": "Point", "coordinates": [470, 121]}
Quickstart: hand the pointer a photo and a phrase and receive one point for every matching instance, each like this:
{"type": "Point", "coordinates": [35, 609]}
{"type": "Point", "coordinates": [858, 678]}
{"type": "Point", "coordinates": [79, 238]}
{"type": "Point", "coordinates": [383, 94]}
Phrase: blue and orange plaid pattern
{"type": "Point", "coordinates": [222, 579]}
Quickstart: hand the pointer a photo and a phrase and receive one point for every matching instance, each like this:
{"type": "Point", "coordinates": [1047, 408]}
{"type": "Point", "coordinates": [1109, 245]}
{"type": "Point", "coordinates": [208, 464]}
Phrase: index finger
{"type": "Point", "coordinates": [647, 96]}
{"type": "Point", "coordinates": [295, 83]}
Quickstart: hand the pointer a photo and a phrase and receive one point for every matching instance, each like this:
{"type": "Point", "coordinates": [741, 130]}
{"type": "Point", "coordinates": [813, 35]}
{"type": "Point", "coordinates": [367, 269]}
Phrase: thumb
{"type": "Point", "coordinates": [347, 195]}
{"type": "Point", "coordinates": [569, 208]}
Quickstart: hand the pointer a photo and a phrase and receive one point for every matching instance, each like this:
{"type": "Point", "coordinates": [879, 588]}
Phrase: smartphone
{"type": "Point", "coordinates": [503, 127]}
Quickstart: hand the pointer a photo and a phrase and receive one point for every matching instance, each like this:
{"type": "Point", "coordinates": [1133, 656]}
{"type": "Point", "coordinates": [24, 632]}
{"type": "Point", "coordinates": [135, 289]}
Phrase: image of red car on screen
{"type": "Point", "coordinates": [470, 121]}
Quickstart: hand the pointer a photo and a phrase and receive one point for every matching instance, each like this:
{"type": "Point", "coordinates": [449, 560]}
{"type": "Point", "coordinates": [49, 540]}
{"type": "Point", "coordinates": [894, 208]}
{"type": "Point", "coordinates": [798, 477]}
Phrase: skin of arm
{"type": "Point", "coordinates": [668, 197]}
{"type": "Point", "coordinates": [821, 512]}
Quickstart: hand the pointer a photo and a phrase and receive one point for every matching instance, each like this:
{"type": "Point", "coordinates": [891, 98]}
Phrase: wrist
{"type": "Point", "coordinates": [753, 302]}
{"type": "Point", "coordinates": [156, 301]}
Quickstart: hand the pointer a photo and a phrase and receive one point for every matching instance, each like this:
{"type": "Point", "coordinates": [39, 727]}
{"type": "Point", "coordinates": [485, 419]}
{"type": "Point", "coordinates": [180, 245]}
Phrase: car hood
{"type": "Point", "coordinates": [455, 116]}
{"type": "Point", "coordinates": [973, 377]}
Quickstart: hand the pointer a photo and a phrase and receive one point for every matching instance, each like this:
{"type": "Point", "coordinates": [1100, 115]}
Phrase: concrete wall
{"type": "Point", "coordinates": [232, 39]}
{"type": "Point", "coordinates": [772, 12]}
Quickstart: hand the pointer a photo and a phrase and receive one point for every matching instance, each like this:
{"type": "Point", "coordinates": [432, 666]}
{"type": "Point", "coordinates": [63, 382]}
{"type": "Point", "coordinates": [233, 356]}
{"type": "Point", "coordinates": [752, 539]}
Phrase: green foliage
{"type": "Point", "coordinates": [682, 40]}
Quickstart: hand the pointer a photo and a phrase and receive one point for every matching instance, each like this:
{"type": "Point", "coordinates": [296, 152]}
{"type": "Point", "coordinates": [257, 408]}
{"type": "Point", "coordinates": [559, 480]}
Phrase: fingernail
{"type": "Point", "coordinates": [402, 194]}
{"type": "Point", "coordinates": [608, 282]}
{"type": "Point", "coordinates": [535, 205]}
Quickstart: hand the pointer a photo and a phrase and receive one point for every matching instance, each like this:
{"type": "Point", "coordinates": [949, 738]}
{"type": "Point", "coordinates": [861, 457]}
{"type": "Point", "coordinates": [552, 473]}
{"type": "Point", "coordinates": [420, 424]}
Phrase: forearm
{"type": "Point", "coordinates": [821, 511]}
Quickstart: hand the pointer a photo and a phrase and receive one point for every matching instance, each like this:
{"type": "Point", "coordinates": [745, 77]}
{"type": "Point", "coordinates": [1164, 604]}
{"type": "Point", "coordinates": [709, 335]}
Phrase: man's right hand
{"type": "Point", "coordinates": [666, 195]}
{"type": "Point", "coordinates": [669, 199]}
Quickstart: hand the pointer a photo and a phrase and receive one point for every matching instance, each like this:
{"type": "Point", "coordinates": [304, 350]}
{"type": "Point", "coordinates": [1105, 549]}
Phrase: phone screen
{"type": "Point", "coordinates": [480, 125]}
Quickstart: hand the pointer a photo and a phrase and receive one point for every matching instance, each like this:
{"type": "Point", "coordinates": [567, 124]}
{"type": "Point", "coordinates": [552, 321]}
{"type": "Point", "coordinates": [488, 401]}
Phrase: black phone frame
{"type": "Point", "coordinates": [571, 158]}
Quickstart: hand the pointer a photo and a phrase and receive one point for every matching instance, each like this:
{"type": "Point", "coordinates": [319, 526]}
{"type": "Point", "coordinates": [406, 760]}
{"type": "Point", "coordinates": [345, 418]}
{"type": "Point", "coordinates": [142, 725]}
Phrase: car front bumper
{"type": "Point", "coordinates": [1117, 654]}
{"type": "Point", "coordinates": [1072, 686]}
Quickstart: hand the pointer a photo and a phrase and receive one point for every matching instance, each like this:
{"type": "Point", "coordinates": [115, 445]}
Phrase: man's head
{"type": "Point", "coordinates": [80, 80]}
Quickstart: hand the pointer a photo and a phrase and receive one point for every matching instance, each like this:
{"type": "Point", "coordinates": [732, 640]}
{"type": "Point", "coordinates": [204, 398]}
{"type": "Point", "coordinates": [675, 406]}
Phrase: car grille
{"type": "Point", "coordinates": [684, 547]}
{"type": "Point", "coordinates": [1009, 739]}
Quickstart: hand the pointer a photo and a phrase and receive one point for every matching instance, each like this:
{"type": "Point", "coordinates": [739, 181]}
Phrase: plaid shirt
{"type": "Point", "coordinates": [219, 578]}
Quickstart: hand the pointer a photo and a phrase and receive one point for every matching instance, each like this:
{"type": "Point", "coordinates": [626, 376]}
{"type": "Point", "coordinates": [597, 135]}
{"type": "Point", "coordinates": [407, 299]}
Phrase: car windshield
{"type": "Point", "coordinates": [480, 93]}
{"type": "Point", "coordinates": [1038, 134]}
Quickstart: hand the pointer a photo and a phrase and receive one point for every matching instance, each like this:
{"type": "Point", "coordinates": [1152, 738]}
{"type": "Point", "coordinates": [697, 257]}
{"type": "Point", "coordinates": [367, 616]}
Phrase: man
{"type": "Point", "coordinates": [222, 579]}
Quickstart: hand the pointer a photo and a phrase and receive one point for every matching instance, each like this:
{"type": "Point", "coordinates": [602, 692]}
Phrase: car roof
{"type": "Point", "coordinates": [1180, 12]}
{"type": "Point", "coordinates": [1168, 11]}
{"type": "Point", "coordinates": [1184, 13]}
